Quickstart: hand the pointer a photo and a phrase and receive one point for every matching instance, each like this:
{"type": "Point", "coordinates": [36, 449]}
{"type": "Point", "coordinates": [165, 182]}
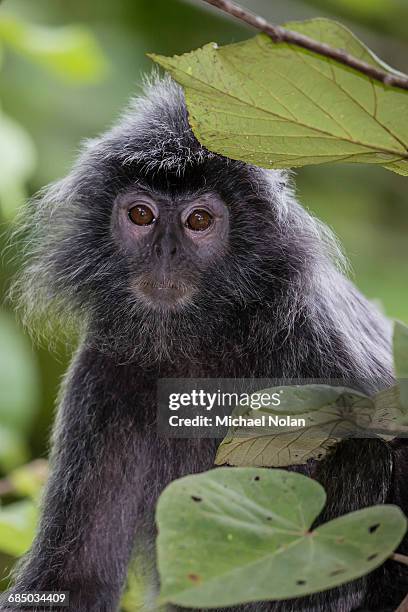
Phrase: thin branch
{"type": "Point", "coordinates": [399, 558]}
{"type": "Point", "coordinates": [403, 607]}
{"type": "Point", "coordinates": [279, 34]}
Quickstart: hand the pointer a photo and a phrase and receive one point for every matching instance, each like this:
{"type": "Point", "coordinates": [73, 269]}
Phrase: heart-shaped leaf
{"type": "Point", "coordinates": [231, 536]}
{"type": "Point", "coordinates": [281, 106]}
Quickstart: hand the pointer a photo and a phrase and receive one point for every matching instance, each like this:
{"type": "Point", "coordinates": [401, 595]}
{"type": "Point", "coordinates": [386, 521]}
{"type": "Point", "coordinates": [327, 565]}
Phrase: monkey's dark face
{"type": "Point", "coordinates": [169, 242]}
{"type": "Point", "coordinates": [154, 246]}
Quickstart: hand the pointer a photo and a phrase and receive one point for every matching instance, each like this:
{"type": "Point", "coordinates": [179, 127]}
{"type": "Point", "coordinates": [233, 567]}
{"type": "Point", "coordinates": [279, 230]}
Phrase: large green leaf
{"type": "Point", "coordinates": [71, 52]}
{"type": "Point", "coordinates": [322, 418]}
{"type": "Point", "coordinates": [280, 106]}
{"type": "Point", "coordinates": [230, 536]}
{"type": "Point", "coordinates": [17, 162]}
{"type": "Point", "coordinates": [300, 399]}
{"type": "Point", "coordinates": [401, 361]}
{"type": "Point", "coordinates": [315, 418]}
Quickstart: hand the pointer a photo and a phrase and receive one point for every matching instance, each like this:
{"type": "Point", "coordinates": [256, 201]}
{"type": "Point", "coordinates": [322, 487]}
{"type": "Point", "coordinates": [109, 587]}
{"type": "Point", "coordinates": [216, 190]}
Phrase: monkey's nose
{"type": "Point", "coordinates": [165, 250]}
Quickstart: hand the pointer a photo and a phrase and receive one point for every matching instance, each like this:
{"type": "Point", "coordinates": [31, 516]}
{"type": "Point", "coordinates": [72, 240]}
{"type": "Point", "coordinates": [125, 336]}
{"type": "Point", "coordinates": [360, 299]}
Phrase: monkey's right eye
{"type": "Point", "coordinates": [141, 215]}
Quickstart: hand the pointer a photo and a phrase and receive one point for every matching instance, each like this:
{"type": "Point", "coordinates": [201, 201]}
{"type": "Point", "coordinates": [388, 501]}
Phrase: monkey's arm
{"type": "Point", "coordinates": [86, 531]}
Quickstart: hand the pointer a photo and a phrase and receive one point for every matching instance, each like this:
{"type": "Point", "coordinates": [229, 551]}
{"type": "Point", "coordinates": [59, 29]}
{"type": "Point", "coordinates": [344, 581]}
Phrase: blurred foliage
{"type": "Point", "coordinates": [66, 69]}
{"type": "Point", "coordinates": [17, 527]}
{"type": "Point", "coordinates": [400, 343]}
{"type": "Point", "coordinates": [390, 16]}
{"type": "Point", "coordinates": [70, 52]}
{"type": "Point", "coordinates": [18, 393]}
{"type": "Point", "coordinates": [17, 162]}
{"type": "Point", "coordinates": [18, 519]}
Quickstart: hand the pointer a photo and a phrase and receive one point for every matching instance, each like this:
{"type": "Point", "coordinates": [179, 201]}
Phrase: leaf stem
{"type": "Point", "coordinates": [279, 34]}
{"type": "Point", "coordinates": [403, 607]}
{"type": "Point", "coordinates": [399, 558]}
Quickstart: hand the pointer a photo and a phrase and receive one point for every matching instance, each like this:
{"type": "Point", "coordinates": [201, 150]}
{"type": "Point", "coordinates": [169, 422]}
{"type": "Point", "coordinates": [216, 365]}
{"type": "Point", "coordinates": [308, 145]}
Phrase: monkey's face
{"type": "Point", "coordinates": [152, 245]}
{"type": "Point", "coordinates": [170, 243]}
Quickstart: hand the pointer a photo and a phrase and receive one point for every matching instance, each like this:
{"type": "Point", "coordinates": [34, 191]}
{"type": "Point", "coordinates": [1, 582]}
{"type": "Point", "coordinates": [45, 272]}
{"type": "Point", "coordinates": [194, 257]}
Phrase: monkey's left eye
{"type": "Point", "coordinates": [141, 215]}
{"type": "Point", "coordinates": [199, 220]}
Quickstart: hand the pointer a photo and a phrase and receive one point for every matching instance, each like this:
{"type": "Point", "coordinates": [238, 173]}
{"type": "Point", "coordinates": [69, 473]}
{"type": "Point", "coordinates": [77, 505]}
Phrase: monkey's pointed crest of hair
{"type": "Point", "coordinates": [154, 131]}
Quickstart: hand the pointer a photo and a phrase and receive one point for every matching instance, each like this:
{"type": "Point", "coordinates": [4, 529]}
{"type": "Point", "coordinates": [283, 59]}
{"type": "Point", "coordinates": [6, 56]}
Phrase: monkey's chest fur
{"type": "Point", "coordinates": [351, 467]}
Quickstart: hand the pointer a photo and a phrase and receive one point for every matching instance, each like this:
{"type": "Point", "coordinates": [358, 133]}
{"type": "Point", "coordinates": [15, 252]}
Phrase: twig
{"type": "Point", "coordinates": [279, 34]}
{"type": "Point", "coordinates": [403, 607]}
{"type": "Point", "coordinates": [399, 558]}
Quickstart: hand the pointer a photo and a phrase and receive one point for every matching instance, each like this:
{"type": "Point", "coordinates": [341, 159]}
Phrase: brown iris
{"type": "Point", "coordinates": [141, 215]}
{"type": "Point", "coordinates": [199, 220]}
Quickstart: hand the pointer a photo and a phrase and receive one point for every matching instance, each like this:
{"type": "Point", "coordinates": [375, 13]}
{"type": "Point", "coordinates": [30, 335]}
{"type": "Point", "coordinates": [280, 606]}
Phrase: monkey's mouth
{"type": "Point", "coordinates": [162, 294]}
{"type": "Point", "coordinates": [162, 285]}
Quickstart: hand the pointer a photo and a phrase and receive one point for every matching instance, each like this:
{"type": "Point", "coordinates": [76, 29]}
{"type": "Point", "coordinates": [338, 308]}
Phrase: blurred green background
{"type": "Point", "coordinates": [66, 71]}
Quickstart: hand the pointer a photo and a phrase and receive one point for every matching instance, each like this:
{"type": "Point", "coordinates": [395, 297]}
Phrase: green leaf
{"type": "Point", "coordinates": [389, 417]}
{"type": "Point", "coordinates": [281, 106]}
{"type": "Point", "coordinates": [231, 536]}
{"type": "Point", "coordinates": [140, 589]}
{"type": "Point", "coordinates": [132, 598]}
{"type": "Point", "coordinates": [329, 414]}
{"type": "Point", "coordinates": [301, 399]}
{"type": "Point", "coordinates": [17, 527]}
{"type": "Point", "coordinates": [17, 163]}
{"type": "Point", "coordinates": [400, 344]}
{"type": "Point", "coordinates": [70, 52]}
{"type": "Point", "coordinates": [319, 417]}
{"type": "Point", "coordinates": [19, 378]}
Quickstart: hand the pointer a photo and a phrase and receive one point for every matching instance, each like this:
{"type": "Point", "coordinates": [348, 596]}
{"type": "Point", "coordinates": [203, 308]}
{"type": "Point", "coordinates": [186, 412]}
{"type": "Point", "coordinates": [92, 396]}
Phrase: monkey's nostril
{"type": "Point", "coordinates": [167, 251]}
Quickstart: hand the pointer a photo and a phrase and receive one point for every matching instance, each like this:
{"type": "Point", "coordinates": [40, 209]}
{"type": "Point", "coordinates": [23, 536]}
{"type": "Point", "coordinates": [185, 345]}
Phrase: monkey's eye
{"type": "Point", "coordinates": [199, 220]}
{"type": "Point", "coordinates": [141, 215]}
